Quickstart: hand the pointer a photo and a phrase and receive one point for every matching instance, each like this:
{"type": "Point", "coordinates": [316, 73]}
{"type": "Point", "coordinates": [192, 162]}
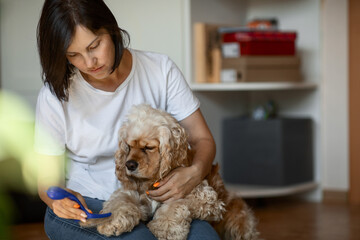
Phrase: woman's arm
{"type": "Point", "coordinates": [181, 181]}
{"type": "Point", "coordinates": [202, 141]}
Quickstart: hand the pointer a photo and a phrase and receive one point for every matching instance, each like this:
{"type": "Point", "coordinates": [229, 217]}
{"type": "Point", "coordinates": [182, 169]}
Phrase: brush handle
{"type": "Point", "coordinates": [57, 193]}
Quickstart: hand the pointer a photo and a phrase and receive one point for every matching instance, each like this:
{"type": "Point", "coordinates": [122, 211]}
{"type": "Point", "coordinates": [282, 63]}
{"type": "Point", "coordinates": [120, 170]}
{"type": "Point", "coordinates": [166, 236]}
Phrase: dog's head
{"type": "Point", "coordinates": [151, 144]}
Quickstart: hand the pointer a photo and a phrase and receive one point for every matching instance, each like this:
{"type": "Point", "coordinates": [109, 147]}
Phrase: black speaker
{"type": "Point", "coordinates": [273, 152]}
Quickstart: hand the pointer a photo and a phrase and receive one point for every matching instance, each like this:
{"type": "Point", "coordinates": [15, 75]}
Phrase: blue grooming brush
{"type": "Point", "coordinates": [57, 193]}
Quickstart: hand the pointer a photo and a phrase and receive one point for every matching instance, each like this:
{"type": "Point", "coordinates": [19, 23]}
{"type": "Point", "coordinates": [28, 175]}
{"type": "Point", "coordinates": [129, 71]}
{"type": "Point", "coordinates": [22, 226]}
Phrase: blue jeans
{"type": "Point", "coordinates": [58, 228]}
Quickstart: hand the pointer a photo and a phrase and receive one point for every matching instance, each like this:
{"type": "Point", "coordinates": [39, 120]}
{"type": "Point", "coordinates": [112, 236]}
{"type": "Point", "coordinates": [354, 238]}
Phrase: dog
{"type": "Point", "coordinates": [151, 144]}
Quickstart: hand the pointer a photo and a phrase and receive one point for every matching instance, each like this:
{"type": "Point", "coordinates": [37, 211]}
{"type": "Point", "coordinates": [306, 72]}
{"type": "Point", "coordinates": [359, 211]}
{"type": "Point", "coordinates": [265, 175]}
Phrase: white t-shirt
{"type": "Point", "coordinates": [86, 126]}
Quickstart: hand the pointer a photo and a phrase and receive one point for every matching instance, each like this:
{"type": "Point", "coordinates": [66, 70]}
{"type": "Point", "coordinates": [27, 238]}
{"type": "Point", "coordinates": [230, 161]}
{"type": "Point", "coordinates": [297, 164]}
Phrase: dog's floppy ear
{"type": "Point", "coordinates": [173, 148]}
{"type": "Point", "coordinates": [121, 154]}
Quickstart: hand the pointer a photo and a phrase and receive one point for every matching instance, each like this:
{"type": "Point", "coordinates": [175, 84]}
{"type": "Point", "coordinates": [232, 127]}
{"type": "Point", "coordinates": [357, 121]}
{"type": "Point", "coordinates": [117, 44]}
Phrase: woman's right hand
{"type": "Point", "coordinates": [69, 209]}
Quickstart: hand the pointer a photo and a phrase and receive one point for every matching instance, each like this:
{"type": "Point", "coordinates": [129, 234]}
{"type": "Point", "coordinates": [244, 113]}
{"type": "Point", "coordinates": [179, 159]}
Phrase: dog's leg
{"type": "Point", "coordinates": [239, 222]}
{"type": "Point", "coordinates": [126, 213]}
{"type": "Point", "coordinates": [171, 221]}
{"type": "Point", "coordinates": [204, 203]}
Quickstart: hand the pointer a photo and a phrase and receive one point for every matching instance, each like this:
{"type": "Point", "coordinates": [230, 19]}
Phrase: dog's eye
{"type": "Point", "coordinates": [147, 149]}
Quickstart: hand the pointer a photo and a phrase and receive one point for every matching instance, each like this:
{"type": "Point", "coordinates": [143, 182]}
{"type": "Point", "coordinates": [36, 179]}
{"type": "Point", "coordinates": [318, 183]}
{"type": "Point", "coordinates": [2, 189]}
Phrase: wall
{"type": "Point", "coordinates": [155, 25]}
{"type": "Point", "coordinates": [20, 68]}
{"type": "Point", "coordinates": [335, 101]}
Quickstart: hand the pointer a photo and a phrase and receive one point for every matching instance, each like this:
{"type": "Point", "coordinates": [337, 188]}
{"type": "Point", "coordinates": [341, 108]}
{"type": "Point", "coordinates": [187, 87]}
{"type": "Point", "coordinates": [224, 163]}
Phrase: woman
{"type": "Point", "coordinates": [91, 81]}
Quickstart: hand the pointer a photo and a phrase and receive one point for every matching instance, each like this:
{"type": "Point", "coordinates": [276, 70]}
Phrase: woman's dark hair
{"type": "Point", "coordinates": [56, 28]}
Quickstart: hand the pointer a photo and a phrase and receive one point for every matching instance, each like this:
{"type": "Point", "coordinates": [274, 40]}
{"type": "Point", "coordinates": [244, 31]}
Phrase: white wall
{"type": "Point", "coordinates": [335, 88]}
{"type": "Point", "coordinates": [20, 68]}
{"type": "Point", "coordinates": [155, 25]}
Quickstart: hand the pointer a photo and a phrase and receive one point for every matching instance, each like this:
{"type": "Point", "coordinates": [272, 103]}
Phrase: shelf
{"type": "Point", "coordinates": [252, 86]}
{"type": "Point", "coordinates": [246, 191]}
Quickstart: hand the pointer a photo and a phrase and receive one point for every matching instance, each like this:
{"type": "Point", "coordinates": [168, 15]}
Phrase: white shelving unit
{"type": "Point", "coordinates": [222, 100]}
{"type": "Point", "coordinates": [251, 86]}
{"type": "Point", "coordinates": [246, 191]}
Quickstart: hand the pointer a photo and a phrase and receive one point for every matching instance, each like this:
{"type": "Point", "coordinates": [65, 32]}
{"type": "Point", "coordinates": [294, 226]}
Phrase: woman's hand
{"type": "Point", "coordinates": [181, 181]}
{"type": "Point", "coordinates": [176, 185]}
{"type": "Point", "coordinates": [66, 208]}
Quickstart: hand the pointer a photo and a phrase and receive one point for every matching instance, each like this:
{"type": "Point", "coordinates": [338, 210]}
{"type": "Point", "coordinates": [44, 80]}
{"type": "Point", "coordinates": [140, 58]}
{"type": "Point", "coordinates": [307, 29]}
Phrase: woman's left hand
{"type": "Point", "coordinates": [176, 185]}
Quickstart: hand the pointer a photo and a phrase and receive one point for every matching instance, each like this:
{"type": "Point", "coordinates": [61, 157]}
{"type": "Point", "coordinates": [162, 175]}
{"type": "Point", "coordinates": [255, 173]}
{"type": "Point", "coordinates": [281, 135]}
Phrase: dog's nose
{"type": "Point", "coordinates": [131, 165]}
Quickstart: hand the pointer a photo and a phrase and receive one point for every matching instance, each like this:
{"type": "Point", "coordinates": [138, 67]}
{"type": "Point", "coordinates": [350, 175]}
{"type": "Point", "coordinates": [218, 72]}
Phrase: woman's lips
{"type": "Point", "coordinates": [96, 69]}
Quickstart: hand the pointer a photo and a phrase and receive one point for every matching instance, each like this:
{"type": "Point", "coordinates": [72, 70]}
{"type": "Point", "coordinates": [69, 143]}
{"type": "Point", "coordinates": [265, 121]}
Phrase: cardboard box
{"type": "Point", "coordinates": [264, 68]}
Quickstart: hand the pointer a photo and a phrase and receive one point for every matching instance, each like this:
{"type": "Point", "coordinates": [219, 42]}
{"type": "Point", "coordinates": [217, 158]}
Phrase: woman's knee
{"type": "Point", "coordinates": [60, 228]}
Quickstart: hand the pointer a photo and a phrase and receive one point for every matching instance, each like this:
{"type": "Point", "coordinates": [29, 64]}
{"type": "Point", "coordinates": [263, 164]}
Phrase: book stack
{"type": "Point", "coordinates": [243, 54]}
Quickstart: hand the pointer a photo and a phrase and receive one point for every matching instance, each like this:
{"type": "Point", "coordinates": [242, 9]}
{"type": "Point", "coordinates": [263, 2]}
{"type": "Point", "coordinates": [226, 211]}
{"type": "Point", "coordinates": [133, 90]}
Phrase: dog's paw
{"type": "Point", "coordinates": [171, 223]}
{"type": "Point", "coordinates": [93, 222]}
{"type": "Point", "coordinates": [109, 229]}
{"type": "Point", "coordinates": [117, 226]}
{"type": "Point", "coordinates": [168, 230]}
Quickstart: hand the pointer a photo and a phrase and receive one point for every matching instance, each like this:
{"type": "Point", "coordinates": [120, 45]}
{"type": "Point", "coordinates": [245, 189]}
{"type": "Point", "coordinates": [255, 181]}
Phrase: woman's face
{"type": "Point", "coordinates": [93, 54]}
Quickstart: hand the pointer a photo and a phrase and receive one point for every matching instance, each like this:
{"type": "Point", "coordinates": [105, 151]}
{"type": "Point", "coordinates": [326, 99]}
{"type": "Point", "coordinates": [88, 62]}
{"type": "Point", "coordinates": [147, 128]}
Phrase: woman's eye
{"type": "Point", "coordinates": [72, 55]}
{"type": "Point", "coordinates": [95, 46]}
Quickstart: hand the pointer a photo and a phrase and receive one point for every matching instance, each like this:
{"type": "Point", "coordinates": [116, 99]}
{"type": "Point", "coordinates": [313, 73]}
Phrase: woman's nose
{"type": "Point", "coordinates": [90, 61]}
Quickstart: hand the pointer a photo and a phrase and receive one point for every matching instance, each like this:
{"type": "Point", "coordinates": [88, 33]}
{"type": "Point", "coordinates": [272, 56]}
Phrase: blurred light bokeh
{"type": "Point", "coordinates": [20, 167]}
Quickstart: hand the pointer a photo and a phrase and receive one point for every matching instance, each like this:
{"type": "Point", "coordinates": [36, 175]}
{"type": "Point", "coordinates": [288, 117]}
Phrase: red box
{"type": "Point", "coordinates": [263, 42]}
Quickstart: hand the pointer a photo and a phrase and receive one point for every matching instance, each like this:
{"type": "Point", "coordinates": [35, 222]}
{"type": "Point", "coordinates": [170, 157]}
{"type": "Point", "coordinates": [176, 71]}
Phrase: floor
{"type": "Point", "coordinates": [278, 220]}
{"type": "Point", "coordinates": [30, 231]}
{"type": "Point", "coordinates": [308, 221]}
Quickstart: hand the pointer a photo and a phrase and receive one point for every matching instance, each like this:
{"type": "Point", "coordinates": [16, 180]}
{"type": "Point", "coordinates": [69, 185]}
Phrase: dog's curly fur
{"type": "Point", "coordinates": [152, 143]}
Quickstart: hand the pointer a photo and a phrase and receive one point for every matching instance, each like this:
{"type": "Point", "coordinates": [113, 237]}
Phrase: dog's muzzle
{"type": "Point", "coordinates": [131, 165]}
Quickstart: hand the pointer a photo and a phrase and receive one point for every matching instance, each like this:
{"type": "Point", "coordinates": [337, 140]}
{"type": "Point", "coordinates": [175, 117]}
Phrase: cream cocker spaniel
{"type": "Point", "coordinates": [152, 143]}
